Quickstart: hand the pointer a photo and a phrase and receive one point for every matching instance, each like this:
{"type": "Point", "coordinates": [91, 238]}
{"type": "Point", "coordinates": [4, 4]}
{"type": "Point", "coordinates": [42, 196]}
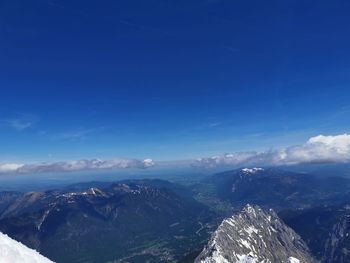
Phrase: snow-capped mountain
{"type": "Point", "coordinates": [12, 251]}
{"type": "Point", "coordinates": [253, 236]}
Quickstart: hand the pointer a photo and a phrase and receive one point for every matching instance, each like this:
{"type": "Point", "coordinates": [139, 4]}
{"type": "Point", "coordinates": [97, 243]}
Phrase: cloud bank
{"type": "Point", "coordinates": [77, 165]}
{"type": "Point", "coordinates": [318, 149]}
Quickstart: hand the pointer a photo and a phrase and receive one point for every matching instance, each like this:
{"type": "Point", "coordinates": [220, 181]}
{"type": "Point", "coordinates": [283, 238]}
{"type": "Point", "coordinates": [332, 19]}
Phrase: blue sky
{"type": "Point", "coordinates": [169, 79]}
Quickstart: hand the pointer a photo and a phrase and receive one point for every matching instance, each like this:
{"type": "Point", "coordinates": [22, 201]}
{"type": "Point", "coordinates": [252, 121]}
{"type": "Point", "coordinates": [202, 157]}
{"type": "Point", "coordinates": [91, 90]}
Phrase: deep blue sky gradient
{"type": "Point", "coordinates": [169, 79]}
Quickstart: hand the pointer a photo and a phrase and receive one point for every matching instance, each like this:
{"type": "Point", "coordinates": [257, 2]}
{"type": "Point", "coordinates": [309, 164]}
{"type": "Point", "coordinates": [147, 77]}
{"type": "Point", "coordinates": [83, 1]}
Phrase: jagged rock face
{"type": "Point", "coordinates": [325, 229]}
{"type": "Point", "coordinates": [254, 236]}
{"type": "Point", "coordinates": [337, 245]}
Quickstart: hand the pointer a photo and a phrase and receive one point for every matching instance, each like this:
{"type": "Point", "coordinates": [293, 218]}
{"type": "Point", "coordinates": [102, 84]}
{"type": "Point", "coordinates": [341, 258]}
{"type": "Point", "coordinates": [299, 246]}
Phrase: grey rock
{"type": "Point", "coordinates": [337, 247]}
{"type": "Point", "coordinates": [253, 236]}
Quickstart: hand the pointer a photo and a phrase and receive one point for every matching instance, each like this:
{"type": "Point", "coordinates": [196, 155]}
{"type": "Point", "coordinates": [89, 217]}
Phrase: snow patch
{"type": "Point", "coordinates": [252, 170]}
{"type": "Point", "coordinates": [12, 251]}
{"type": "Point", "coordinates": [251, 229]}
{"type": "Point", "coordinates": [293, 260]}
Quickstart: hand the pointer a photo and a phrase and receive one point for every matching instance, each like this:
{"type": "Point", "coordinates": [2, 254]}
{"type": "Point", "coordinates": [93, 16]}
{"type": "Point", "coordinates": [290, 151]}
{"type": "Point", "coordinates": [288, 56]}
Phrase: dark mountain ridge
{"type": "Point", "coordinates": [138, 219]}
{"type": "Point", "coordinates": [326, 230]}
{"type": "Point", "coordinates": [277, 188]}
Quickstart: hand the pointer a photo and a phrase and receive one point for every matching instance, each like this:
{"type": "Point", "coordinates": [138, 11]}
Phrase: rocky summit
{"type": "Point", "coordinates": [254, 235]}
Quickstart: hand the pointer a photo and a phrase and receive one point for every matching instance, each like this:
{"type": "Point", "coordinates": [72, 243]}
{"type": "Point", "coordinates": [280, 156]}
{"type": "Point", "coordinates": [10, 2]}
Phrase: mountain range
{"type": "Point", "coordinates": [134, 220]}
{"type": "Point", "coordinates": [160, 221]}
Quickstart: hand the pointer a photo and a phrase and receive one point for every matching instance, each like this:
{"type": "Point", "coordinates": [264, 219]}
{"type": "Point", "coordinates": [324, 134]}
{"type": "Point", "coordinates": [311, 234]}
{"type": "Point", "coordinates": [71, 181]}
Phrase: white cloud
{"type": "Point", "coordinates": [318, 149]}
{"type": "Point", "coordinates": [9, 167]}
{"type": "Point", "coordinates": [226, 159]}
{"type": "Point", "coordinates": [76, 165]}
{"type": "Point", "coordinates": [12, 251]}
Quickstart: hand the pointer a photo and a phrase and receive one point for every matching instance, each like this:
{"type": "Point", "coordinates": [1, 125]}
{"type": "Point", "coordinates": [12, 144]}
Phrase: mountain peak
{"type": "Point", "coordinates": [254, 235]}
{"type": "Point", "coordinates": [251, 210]}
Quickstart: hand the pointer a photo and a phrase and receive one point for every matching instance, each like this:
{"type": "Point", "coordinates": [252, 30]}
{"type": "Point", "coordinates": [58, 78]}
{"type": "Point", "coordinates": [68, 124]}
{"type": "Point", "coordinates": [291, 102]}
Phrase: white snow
{"type": "Point", "coordinates": [43, 218]}
{"type": "Point", "coordinates": [230, 221]}
{"type": "Point", "coordinates": [245, 243]}
{"type": "Point", "coordinates": [216, 258]}
{"type": "Point", "coordinates": [293, 260]}
{"type": "Point", "coordinates": [246, 259]}
{"type": "Point", "coordinates": [252, 170]}
{"type": "Point", "coordinates": [251, 229]}
{"type": "Point", "coordinates": [12, 251]}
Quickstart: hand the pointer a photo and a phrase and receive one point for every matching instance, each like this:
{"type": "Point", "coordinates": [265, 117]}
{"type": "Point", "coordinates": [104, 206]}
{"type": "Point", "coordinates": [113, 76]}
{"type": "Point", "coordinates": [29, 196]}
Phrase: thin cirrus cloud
{"type": "Point", "coordinates": [76, 165]}
{"type": "Point", "coordinates": [318, 149]}
{"type": "Point", "coordinates": [76, 134]}
{"type": "Point", "coordinates": [20, 122]}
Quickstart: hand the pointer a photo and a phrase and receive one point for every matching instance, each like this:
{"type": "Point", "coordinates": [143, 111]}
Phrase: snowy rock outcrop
{"type": "Point", "coordinates": [254, 236]}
